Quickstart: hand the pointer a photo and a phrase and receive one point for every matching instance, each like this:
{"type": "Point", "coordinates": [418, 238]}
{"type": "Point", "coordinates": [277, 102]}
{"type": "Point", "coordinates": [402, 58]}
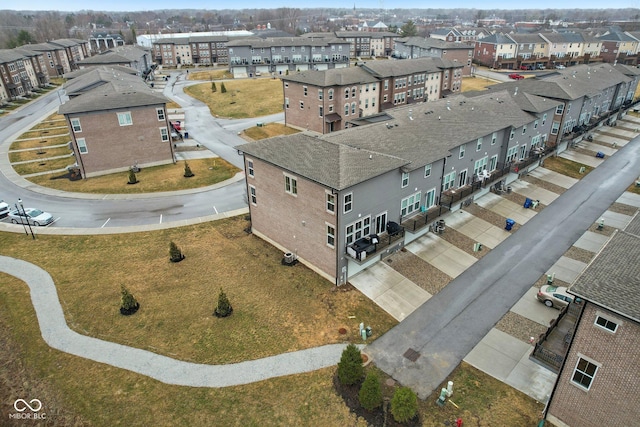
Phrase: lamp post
{"type": "Point", "coordinates": [24, 215]}
{"type": "Point", "coordinates": [21, 218]}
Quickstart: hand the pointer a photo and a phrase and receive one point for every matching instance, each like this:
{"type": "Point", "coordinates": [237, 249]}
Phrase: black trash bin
{"type": "Point", "coordinates": [186, 135]}
{"type": "Point", "coordinates": [509, 224]}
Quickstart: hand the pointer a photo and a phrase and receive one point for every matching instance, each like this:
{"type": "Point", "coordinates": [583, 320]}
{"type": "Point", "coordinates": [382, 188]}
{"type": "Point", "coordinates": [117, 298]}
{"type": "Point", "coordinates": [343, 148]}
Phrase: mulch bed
{"type": "Point", "coordinates": [579, 254]}
{"type": "Point", "coordinates": [376, 418]}
{"type": "Point", "coordinates": [418, 271]}
{"type": "Point", "coordinates": [463, 242]}
{"type": "Point", "coordinates": [489, 216]}
{"type": "Point", "coordinates": [544, 184]}
{"type": "Point", "coordinates": [520, 327]}
{"type": "Point", "coordinates": [623, 209]}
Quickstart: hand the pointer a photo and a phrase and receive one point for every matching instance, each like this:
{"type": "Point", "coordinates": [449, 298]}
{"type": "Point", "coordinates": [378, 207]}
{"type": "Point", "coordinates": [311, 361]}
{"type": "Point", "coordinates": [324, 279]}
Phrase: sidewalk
{"type": "Point", "coordinates": [56, 333]}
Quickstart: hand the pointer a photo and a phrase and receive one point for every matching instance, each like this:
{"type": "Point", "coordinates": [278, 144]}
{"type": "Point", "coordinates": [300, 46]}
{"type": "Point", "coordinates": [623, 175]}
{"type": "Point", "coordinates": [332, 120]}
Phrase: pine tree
{"type": "Point", "coordinates": [350, 369]}
{"type": "Point", "coordinates": [370, 395]}
{"type": "Point", "coordinates": [224, 308]}
{"type": "Point", "coordinates": [213, 87]}
{"type": "Point", "coordinates": [404, 404]}
{"type": "Point", "coordinates": [187, 170]}
{"type": "Point", "coordinates": [223, 89]}
{"type": "Point", "coordinates": [132, 177]}
{"type": "Point", "coordinates": [175, 254]}
{"type": "Point", "coordinates": [128, 303]}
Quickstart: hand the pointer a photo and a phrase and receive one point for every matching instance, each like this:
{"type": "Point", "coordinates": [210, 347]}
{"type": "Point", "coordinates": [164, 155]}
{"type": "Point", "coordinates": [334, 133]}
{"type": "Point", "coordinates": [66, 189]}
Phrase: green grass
{"type": "Point", "coordinates": [44, 166]}
{"type": "Point", "coordinates": [152, 179]}
{"type": "Point", "coordinates": [243, 99]}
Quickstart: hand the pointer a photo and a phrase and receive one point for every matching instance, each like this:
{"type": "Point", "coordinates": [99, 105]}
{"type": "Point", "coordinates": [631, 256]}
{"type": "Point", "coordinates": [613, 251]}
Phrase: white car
{"type": "Point", "coordinates": [4, 209]}
{"type": "Point", "coordinates": [32, 216]}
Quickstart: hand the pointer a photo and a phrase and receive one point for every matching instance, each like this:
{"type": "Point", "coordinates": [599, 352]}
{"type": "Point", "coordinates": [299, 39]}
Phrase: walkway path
{"type": "Point", "coordinates": [57, 334]}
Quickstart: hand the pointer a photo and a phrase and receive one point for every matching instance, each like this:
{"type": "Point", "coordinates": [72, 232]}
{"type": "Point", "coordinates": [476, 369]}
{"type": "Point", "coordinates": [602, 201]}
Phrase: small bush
{"type": "Point", "coordinates": [132, 177]}
{"type": "Point", "coordinates": [187, 170]}
{"type": "Point", "coordinates": [128, 303]}
{"type": "Point", "coordinates": [223, 88]}
{"type": "Point", "coordinates": [350, 369]}
{"type": "Point", "coordinates": [213, 87]}
{"type": "Point", "coordinates": [224, 308]}
{"type": "Point", "coordinates": [404, 404]}
{"type": "Point", "coordinates": [370, 395]}
{"type": "Point", "coordinates": [175, 254]}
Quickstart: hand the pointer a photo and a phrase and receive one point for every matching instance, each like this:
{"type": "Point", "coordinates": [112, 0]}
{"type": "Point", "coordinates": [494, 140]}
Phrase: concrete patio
{"type": "Point", "coordinates": [441, 254]}
{"type": "Point", "coordinates": [553, 177]}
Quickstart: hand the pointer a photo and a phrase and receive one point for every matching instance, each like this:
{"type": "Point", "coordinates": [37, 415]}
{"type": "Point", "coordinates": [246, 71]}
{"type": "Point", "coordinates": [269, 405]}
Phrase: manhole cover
{"type": "Point", "coordinates": [411, 354]}
{"type": "Point", "coordinates": [390, 382]}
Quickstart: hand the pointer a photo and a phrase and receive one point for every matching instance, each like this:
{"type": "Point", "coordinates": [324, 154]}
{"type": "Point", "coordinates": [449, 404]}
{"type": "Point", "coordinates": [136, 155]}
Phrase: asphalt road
{"type": "Point", "coordinates": [449, 325]}
{"type": "Point", "coordinates": [96, 211]}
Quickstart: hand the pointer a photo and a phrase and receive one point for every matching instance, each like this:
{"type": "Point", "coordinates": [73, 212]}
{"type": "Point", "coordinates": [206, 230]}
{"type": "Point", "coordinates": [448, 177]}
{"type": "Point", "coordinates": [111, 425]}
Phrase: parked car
{"type": "Point", "coordinates": [4, 209]}
{"type": "Point", "coordinates": [554, 296]}
{"type": "Point", "coordinates": [525, 67]}
{"type": "Point", "coordinates": [540, 67]}
{"type": "Point", "coordinates": [560, 67]}
{"type": "Point", "coordinates": [516, 76]}
{"type": "Point", "coordinates": [32, 216]}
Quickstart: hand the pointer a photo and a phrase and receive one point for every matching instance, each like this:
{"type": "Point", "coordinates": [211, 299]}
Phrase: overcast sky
{"type": "Point", "coordinates": [139, 5]}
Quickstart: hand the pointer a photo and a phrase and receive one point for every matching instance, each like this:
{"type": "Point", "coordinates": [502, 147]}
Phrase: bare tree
{"type": "Point", "coordinates": [50, 26]}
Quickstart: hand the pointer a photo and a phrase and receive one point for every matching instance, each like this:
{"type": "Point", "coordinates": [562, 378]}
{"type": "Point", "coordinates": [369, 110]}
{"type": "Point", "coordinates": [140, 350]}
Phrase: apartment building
{"type": "Point", "coordinates": [282, 55]}
{"type": "Point", "coordinates": [197, 49]}
{"type": "Point", "coordinates": [115, 122]}
{"type": "Point", "coordinates": [420, 47]}
{"type": "Point", "coordinates": [618, 46]}
{"type": "Point", "coordinates": [342, 201]}
{"type": "Point", "coordinates": [604, 352]}
{"type": "Point", "coordinates": [101, 41]}
{"type": "Point", "coordinates": [494, 50]}
{"type": "Point", "coordinates": [133, 57]}
{"type": "Point", "coordinates": [55, 57]}
{"type": "Point", "coordinates": [20, 73]}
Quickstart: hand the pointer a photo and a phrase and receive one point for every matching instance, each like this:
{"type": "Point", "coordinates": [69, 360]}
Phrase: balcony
{"type": "Point", "coordinates": [449, 198]}
{"type": "Point", "coordinates": [418, 221]}
{"type": "Point", "coordinates": [551, 347]}
{"type": "Point", "coordinates": [370, 245]}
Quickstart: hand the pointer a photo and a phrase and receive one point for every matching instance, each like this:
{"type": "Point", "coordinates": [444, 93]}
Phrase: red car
{"type": "Point", "coordinates": [516, 76]}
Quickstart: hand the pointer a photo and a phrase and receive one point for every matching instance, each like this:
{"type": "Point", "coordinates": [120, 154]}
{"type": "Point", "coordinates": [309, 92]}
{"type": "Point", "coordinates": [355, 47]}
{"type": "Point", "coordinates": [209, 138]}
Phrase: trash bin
{"type": "Point", "coordinates": [186, 135]}
{"type": "Point", "coordinates": [527, 203]}
{"type": "Point", "coordinates": [509, 224]}
{"type": "Point", "coordinates": [600, 155]}
{"type": "Point", "coordinates": [509, 189]}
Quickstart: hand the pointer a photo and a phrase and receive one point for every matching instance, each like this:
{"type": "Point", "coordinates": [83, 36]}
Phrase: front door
{"type": "Point", "coordinates": [381, 222]}
{"type": "Point", "coordinates": [462, 178]}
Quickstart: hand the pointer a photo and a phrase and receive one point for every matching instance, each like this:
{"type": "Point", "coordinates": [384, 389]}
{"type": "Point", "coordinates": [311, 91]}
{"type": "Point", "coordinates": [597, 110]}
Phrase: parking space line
{"type": "Point", "coordinates": [105, 223]}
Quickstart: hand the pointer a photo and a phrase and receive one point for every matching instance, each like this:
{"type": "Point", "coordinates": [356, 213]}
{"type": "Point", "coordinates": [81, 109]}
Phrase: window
{"type": "Point", "coordinates": [430, 198]}
{"type": "Point", "coordinates": [250, 171]}
{"type": "Point", "coordinates": [75, 125]}
{"type": "Point", "coordinates": [353, 108]}
{"type": "Point", "coordinates": [330, 94]}
{"type": "Point", "coordinates": [512, 153]}
{"type": "Point", "coordinates": [290, 185]}
{"type": "Point", "coordinates": [524, 129]}
{"type": "Point", "coordinates": [286, 103]}
{"type": "Point", "coordinates": [358, 229]}
{"type": "Point", "coordinates": [346, 109]}
{"type": "Point", "coordinates": [331, 235]}
{"type": "Point", "coordinates": [346, 93]}
{"type": "Point", "coordinates": [493, 163]}
{"type": "Point", "coordinates": [606, 324]}
{"type": "Point", "coordinates": [331, 202]}
{"type": "Point", "coordinates": [124, 119]}
{"type": "Point", "coordinates": [320, 94]}
{"type": "Point", "coordinates": [302, 105]}
{"type": "Point", "coordinates": [494, 138]}
{"type": "Point", "coordinates": [544, 118]}
{"type": "Point", "coordinates": [448, 181]}
{"type": "Point", "coordinates": [461, 154]}
{"type": "Point", "coordinates": [321, 111]}
{"type": "Point", "coordinates": [405, 179]}
{"type": "Point", "coordinates": [535, 124]}
{"type": "Point", "coordinates": [160, 113]}
{"type": "Point", "coordinates": [512, 134]}
{"type": "Point", "coordinates": [479, 144]}
{"type": "Point", "coordinates": [555, 127]}
{"type": "Point", "coordinates": [480, 165]}
{"type": "Point", "coordinates": [252, 195]}
{"type": "Point", "coordinates": [348, 202]}
{"type": "Point", "coordinates": [427, 171]}
{"type": "Point", "coordinates": [584, 373]}
{"type": "Point", "coordinates": [560, 109]}
{"type": "Point", "coordinates": [82, 146]}
{"type": "Point", "coordinates": [164, 134]}
{"type": "Point", "coordinates": [410, 204]}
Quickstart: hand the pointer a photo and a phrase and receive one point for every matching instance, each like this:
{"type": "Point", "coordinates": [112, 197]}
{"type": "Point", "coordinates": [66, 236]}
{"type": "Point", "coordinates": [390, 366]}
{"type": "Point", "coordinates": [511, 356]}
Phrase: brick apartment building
{"type": "Point", "coordinates": [599, 381]}
{"type": "Point", "coordinates": [116, 122]}
{"type": "Point", "coordinates": [420, 47]}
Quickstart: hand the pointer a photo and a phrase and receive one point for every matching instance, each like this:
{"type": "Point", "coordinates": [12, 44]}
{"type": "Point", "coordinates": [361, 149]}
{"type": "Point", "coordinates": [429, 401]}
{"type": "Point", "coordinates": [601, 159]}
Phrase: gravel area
{"type": "Point", "coordinates": [623, 209]}
{"type": "Point", "coordinates": [584, 151]}
{"type": "Point", "coordinates": [418, 271]}
{"type": "Point", "coordinates": [520, 327]}
{"type": "Point", "coordinates": [543, 281]}
{"type": "Point", "coordinates": [519, 199]}
{"type": "Point", "coordinates": [463, 242]}
{"type": "Point", "coordinates": [544, 184]}
{"type": "Point", "coordinates": [489, 216]}
{"type": "Point", "coordinates": [579, 254]}
{"type": "Point", "coordinates": [607, 230]}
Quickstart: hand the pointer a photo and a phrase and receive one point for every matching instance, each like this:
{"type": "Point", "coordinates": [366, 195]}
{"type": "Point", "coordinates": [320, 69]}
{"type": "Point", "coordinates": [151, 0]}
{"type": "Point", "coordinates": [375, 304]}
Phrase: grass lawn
{"type": "Point", "coordinates": [43, 133]}
{"type": "Point", "coordinates": [566, 167]}
{"type": "Point", "coordinates": [243, 99]}
{"type": "Point", "coordinates": [210, 75]}
{"type": "Point", "coordinates": [476, 83]}
{"type": "Point", "coordinates": [633, 188]}
{"type": "Point", "coordinates": [46, 141]}
{"type": "Point", "coordinates": [44, 166]}
{"type": "Point", "coordinates": [153, 179]}
{"type": "Point", "coordinates": [171, 105]}
{"type": "Point", "coordinates": [44, 152]}
{"type": "Point", "coordinates": [268, 130]}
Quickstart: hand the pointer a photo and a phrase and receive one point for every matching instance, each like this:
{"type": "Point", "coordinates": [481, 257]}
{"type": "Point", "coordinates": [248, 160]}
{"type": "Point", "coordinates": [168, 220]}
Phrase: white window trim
{"type": "Point", "coordinates": [253, 198]}
{"type": "Point", "coordinates": [608, 319]}
{"type": "Point", "coordinates": [344, 203]}
{"type": "Point", "coordinates": [329, 194]}
{"type": "Point", "coordinates": [405, 180]}
{"type": "Point", "coordinates": [327, 225]}
{"type": "Point", "coordinates": [126, 114]}
{"type": "Point", "coordinates": [73, 126]}
{"type": "Point", "coordinates": [159, 112]}
{"type": "Point", "coordinates": [461, 151]}
{"type": "Point", "coordinates": [250, 168]}
{"type": "Point", "coordinates": [164, 134]}
{"type": "Point", "coordinates": [427, 171]}
{"type": "Point", "coordinates": [293, 185]}
{"type": "Point", "coordinates": [575, 368]}
{"type": "Point", "coordinates": [81, 145]}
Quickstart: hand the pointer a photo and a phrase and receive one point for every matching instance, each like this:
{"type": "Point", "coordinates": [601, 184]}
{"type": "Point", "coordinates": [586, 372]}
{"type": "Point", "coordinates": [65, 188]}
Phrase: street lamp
{"type": "Point", "coordinates": [24, 215]}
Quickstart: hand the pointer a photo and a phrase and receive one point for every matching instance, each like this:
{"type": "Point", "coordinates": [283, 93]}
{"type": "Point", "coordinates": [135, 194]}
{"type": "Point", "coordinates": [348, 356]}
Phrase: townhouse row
{"type": "Point", "coordinates": [28, 67]}
{"type": "Point", "coordinates": [335, 99]}
{"type": "Point", "coordinates": [342, 201]}
{"type": "Point", "coordinates": [556, 49]}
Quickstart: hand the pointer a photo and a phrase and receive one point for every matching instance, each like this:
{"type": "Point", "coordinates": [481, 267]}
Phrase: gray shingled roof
{"type": "Point", "coordinates": [334, 165]}
{"type": "Point", "coordinates": [426, 43]}
{"type": "Point", "coordinates": [523, 38]}
{"type": "Point", "coordinates": [383, 69]}
{"type": "Point", "coordinates": [617, 36]}
{"type": "Point", "coordinates": [526, 101]}
{"type": "Point", "coordinates": [332, 77]}
{"type": "Point", "coordinates": [113, 68]}
{"type": "Point", "coordinates": [125, 91]}
{"type": "Point", "coordinates": [612, 279]}
{"type": "Point", "coordinates": [257, 42]}
{"type": "Point", "coordinates": [10, 55]}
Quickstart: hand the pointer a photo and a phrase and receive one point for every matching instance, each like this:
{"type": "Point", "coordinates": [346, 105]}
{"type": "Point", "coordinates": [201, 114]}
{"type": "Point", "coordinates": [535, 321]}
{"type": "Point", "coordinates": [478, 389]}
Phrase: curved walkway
{"type": "Point", "coordinates": [57, 334]}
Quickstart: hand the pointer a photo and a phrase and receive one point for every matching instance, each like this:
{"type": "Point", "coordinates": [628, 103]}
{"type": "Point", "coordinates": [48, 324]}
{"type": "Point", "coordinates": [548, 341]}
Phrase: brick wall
{"type": "Point", "coordinates": [612, 399]}
{"type": "Point", "coordinates": [112, 147]}
{"type": "Point", "coordinates": [294, 223]}
{"type": "Point", "coordinates": [307, 117]}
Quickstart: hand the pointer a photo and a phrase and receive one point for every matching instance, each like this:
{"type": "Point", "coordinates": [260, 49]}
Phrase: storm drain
{"type": "Point", "coordinates": [411, 354]}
